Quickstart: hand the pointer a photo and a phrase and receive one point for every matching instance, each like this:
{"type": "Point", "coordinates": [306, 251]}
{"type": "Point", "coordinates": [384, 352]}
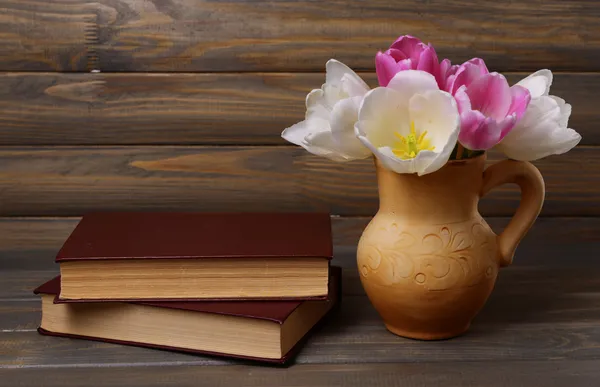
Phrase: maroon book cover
{"type": "Point", "coordinates": [163, 235]}
{"type": "Point", "coordinates": [276, 311]}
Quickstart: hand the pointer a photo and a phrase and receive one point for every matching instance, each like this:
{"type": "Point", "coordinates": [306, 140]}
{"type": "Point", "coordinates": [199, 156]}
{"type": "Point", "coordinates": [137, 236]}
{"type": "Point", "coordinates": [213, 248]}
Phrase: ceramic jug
{"type": "Point", "coordinates": [428, 261]}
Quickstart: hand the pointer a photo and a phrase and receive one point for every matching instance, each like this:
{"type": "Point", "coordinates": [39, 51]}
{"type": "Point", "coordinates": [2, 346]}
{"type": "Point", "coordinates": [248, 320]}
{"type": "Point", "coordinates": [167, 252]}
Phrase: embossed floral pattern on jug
{"type": "Point", "coordinates": [435, 257]}
{"type": "Point", "coordinates": [428, 261]}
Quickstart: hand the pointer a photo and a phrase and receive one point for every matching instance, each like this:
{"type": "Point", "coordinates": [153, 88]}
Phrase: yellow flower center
{"type": "Point", "coordinates": [409, 147]}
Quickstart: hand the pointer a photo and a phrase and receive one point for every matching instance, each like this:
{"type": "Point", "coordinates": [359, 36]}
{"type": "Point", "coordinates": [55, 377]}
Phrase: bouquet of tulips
{"type": "Point", "coordinates": [426, 112]}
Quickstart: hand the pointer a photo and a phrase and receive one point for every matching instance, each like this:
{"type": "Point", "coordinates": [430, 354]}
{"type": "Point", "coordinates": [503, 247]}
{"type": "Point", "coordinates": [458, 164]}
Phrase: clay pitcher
{"type": "Point", "coordinates": [427, 260]}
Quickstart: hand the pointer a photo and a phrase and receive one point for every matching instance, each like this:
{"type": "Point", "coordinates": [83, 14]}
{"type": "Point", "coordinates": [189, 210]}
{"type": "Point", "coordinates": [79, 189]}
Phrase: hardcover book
{"type": "Point", "coordinates": [270, 331]}
{"type": "Point", "coordinates": [194, 256]}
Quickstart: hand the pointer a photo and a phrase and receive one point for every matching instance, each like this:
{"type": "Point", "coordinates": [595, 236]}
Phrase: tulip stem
{"type": "Point", "coordinates": [459, 151]}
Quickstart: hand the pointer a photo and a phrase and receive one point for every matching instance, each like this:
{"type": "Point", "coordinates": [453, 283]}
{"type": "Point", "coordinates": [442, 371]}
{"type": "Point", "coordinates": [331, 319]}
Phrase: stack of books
{"type": "Point", "coordinates": [243, 285]}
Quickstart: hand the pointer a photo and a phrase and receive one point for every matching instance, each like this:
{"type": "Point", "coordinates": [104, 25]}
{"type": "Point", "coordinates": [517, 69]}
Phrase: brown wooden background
{"type": "Point", "coordinates": [179, 105]}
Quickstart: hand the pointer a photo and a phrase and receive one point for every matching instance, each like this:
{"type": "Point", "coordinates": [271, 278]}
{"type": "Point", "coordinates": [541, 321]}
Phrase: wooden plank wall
{"type": "Point", "coordinates": [179, 104]}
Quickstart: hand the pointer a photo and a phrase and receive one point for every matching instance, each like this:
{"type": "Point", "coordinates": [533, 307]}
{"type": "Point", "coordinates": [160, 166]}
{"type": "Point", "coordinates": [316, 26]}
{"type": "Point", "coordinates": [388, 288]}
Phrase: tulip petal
{"type": "Point", "coordinates": [504, 127]}
{"type": "Point", "coordinates": [418, 165]}
{"type": "Point", "coordinates": [313, 135]}
{"type": "Point", "coordinates": [445, 66]}
{"type": "Point", "coordinates": [543, 114]}
{"type": "Point", "coordinates": [462, 100]}
{"type": "Point", "coordinates": [343, 117]}
{"type": "Point", "coordinates": [561, 140]}
{"type": "Point", "coordinates": [409, 53]}
{"type": "Point", "coordinates": [409, 45]}
{"type": "Point", "coordinates": [436, 113]}
{"type": "Point", "coordinates": [335, 71]}
{"type": "Point", "coordinates": [333, 107]}
{"type": "Point", "coordinates": [321, 144]}
{"type": "Point", "coordinates": [478, 132]}
{"type": "Point", "coordinates": [490, 94]}
{"type": "Point", "coordinates": [466, 74]}
{"type": "Point", "coordinates": [445, 71]}
{"type": "Point", "coordinates": [385, 66]}
{"type": "Point", "coordinates": [542, 131]}
{"type": "Point", "coordinates": [354, 86]}
{"type": "Point", "coordinates": [396, 54]}
{"type": "Point", "coordinates": [316, 105]}
{"type": "Point", "coordinates": [405, 64]}
{"type": "Point", "coordinates": [565, 110]}
{"type": "Point", "coordinates": [421, 165]}
{"type": "Point", "coordinates": [387, 158]}
{"type": "Point", "coordinates": [383, 111]}
{"type": "Point", "coordinates": [538, 83]}
{"type": "Point", "coordinates": [313, 98]}
{"type": "Point", "coordinates": [410, 82]}
{"type": "Point", "coordinates": [520, 99]}
{"type": "Point", "coordinates": [341, 82]}
{"type": "Point", "coordinates": [296, 133]}
{"type": "Point", "coordinates": [428, 61]}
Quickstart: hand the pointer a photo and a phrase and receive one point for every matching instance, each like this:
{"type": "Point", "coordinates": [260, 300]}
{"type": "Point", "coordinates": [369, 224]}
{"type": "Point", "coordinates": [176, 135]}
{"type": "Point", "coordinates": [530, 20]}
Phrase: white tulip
{"type": "Point", "coordinates": [410, 126]}
{"type": "Point", "coordinates": [543, 129]}
{"type": "Point", "coordinates": [328, 128]}
{"type": "Point", "coordinates": [537, 83]}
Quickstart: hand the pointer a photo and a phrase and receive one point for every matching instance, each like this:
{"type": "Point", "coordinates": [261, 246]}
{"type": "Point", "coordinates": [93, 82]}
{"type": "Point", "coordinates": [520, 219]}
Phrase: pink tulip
{"type": "Point", "coordinates": [409, 53]}
{"type": "Point", "coordinates": [488, 107]}
{"type": "Point", "coordinates": [464, 74]}
{"type": "Point", "coordinates": [447, 72]}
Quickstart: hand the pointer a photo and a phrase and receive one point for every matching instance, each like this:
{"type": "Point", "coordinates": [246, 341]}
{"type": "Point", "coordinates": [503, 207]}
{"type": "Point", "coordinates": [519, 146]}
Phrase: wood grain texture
{"type": "Point", "coordinates": [267, 35]}
{"type": "Point", "coordinates": [184, 108]}
{"type": "Point", "coordinates": [43, 35]}
{"type": "Point", "coordinates": [354, 334]}
{"type": "Point", "coordinates": [74, 180]}
{"type": "Point", "coordinates": [450, 374]}
{"type": "Point", "coordinates": [20, 316]}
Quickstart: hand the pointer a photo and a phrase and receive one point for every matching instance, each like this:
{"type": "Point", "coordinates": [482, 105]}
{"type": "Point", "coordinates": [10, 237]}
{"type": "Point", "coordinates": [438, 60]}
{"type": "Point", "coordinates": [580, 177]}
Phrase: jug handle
{"type": "Point", "coordinates": [530, 181]}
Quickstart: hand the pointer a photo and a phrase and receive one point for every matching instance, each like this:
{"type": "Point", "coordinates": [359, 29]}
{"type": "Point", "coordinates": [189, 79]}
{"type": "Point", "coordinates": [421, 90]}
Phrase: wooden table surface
{"type": "Point", "coordinates": [541, 327]}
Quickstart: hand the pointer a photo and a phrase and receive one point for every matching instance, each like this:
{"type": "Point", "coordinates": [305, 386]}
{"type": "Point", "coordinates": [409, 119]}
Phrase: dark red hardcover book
{"type": "Point", "coordinates": [140, 256]}
{"type": "Point", "coordinates": [277, 312]}
{"type": "Point", "coordinates": [169, 235]}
